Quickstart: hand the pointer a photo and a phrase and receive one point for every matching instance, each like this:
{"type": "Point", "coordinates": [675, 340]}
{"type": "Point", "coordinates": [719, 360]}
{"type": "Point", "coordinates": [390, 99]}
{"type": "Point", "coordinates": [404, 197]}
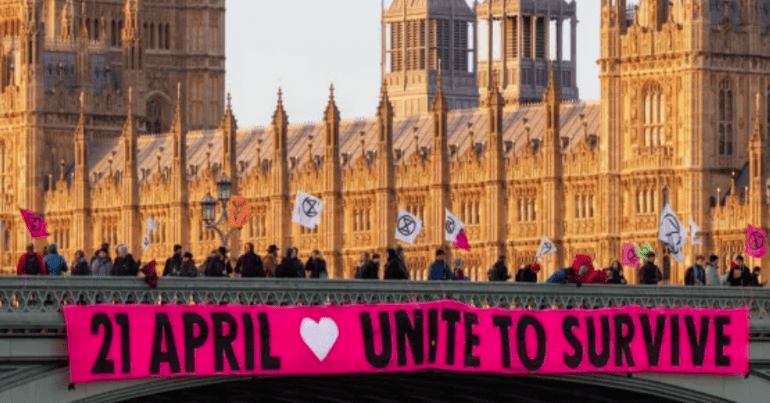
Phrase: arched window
{"type": "Point", "coordinates": [654, 115]}
{"type": "Point", "coordinates": [154, 115]}
{"type": "Point", "coordinates": [96, 29]}
{"type": "Point", "coordinates": [725, 118]}
{"type": "Point", "coordinates": [160, 36]}
{"type": "Point", "coordinates": [114, 34]}
{"type": "Point", "coordinates": [152, 36]}
{"type": "Point", "coordinates": [88, 28]}
{"type": "Point", "coordinates": [166, 37]}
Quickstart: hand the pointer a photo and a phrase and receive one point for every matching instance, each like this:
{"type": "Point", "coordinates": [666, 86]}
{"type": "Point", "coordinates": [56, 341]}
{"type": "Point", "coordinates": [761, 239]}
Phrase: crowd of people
{"type": "Point", "coordinates": [250, 264]}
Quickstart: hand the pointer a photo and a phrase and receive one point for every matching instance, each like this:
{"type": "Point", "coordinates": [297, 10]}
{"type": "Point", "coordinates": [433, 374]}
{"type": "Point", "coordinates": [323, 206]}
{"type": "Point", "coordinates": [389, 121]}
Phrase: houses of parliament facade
{"type": "Point", "coordinates": [113, 111]}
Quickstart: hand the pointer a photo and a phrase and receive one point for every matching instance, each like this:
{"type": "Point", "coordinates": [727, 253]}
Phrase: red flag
{"type": "Point", "coordinates": [150, 275]}
{"type": "Point", "coordinates": [461, 241]}
{"type": "Point", "coordinates": [35, 224]}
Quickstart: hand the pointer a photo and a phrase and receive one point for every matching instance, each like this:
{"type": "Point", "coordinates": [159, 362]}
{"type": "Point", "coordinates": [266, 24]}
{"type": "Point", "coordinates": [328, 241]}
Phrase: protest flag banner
{"type": "Point", "coordinates": [755, 241]}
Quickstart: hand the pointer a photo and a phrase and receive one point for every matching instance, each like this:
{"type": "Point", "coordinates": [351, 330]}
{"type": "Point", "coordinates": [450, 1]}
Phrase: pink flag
{"type": "Point", "coordinates": [35, 224]}
{"type": "Point", "coordinates": [461, 241]}
{"type": "Point", "coordinates": [630, 258]}
{"type": "Point", "coordinates": [755, 241]}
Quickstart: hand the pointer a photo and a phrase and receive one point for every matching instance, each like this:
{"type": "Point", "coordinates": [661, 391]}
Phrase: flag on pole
{"type": "Point", "coordinates": [546, 248]}
{"type": "Point", "coordinates": [672, 232]}
{"type": "Point", "coordinates": [35, 224]}
{"type": "Point", "coordinates": [408, 227]}
{"type": "Point", "coordinates": [642, 252]}
{"type": "Point", "coordinates": [694, 229]}
{"type": "Point", "coordinates": [630, 256]}
{"type": "Point", "coordinates": [755, 242]}
{"type": "Point", "coordinates": [307, 210]}
{"type": "Point", "coordinates": [453, 227]}
{"type": "Point", "coordinates": [150, 228]}
{"type": "Point", "coordinates": [462, 241]}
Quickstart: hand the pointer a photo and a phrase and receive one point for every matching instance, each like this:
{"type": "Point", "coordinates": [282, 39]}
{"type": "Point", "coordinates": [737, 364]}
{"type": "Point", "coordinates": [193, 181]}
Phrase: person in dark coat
{"type": "Point", "coordinates": [740, 275]}
{"type": "Point", "coordinates": [80, 266]}
{"type": "Point", "coordinates": [188, 266]}
{"type": "Point", "coordinates": [270, 263]}
{"type": "Point", "coordinates": [696, 274]}
{"type": "Point", "coordinates": [528, 274]}
{"type": "Point", "coordinates": [359, 271]}
{"type": "Point", "coordinates": [500, 270]}
{"type": "Point", "coordinates": [125, 265]}
{"type": "Point", "coordinates": [438, 269]}
{"type": "Point", "coordinates": [371, 271]}
{"type": "Point", "coordinates": [395, 269]}
{"type": "Point", "coordinates": [106, 247]}
{"type": "Point", "coordinates": [174, 263]}
{"type": "Point", "coordinates": [250, 264]}
{"type": "Point", "coordinates": [316, 265]}
{"type": "Point", "coordinates": [290, 266]}
{"type": "Point", "coordinates": [650, 274]}
{"type": "Point", "coordinates": [615, 273]}
{"type": "Point", "coordinates": [219, 266]}
{"type": "Point", "coordinates": [755, 277]}
{"type": "Point", "coordinates": [30, 263]}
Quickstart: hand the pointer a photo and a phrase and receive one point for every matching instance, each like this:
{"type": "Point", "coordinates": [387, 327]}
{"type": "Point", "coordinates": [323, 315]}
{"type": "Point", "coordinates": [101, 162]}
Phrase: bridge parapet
{"type": "Point", "coordinates": [33, 305]}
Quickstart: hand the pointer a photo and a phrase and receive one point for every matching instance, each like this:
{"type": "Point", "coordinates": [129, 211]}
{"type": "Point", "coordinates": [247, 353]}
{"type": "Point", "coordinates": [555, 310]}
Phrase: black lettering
{"type": "Point", "coordinates": [223, 343]}
{"type": "Point", "coordinates": [268, 361]}
{"type": "Point", "coordinates": [103, 365]}
{"type": "Point", "coordinates": [674, 340]}
{"type": "Point", "coordinates": [192, 342]}
{"type": "Point", "coordinates": [164, 332]}
{"type": "Point", "coordinates": [376, 360]}
{"type": "Point", "coordinates": [248, 341]}
{"type": "Point", "coordinates": [722, 341]}
{"type": "Point", "coordinates": [504, 322]}
{"type": "Point", "coordinates": [623, 342]}
{"type": "Point", "coordinates": [697, 349]}
{"type": "Point", "coordinates": [596, 359]}
{"type": "Point", "coordinates": [572, 361]}
{"type": "Point", "coordinates": [653, 344]}
{"type": "Point", "coordinates": [521, 337]}
{"type": "Point", "coordinates": [432, 335]}
{"type": "Point", "coordinates": [125, 344]}
{"type": "Point", "coordinates": [471, 340]}
{"type": "Point", "coordinates": [404, 330]}
{"type": "Point", "coordinates": [451, 317]}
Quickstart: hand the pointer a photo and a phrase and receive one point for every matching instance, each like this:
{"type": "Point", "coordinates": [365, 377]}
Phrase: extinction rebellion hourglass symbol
{"type": "Point", "coordinates": [309, 207]}
{"type": "Point", "coordinates": [450, 226]}
{"type": "Point", "coordinates": [406, 225]}
{"type": "Point", "coordinates": [674, 235]}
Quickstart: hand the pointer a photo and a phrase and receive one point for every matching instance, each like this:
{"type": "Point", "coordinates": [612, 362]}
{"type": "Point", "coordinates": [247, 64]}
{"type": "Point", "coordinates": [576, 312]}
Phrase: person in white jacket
{"type": "Point", "coordinates": [712, 272]}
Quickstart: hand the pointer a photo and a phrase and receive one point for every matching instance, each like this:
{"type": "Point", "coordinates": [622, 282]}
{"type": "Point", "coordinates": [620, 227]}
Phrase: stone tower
{"type": "Point", "coordinates": [524, 40]}
{"type": "Point", "coordinates": [417, 35]}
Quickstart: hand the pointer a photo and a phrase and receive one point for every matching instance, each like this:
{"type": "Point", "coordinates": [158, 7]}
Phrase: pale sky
{"type": "Point", "coordinates": [304, 45]}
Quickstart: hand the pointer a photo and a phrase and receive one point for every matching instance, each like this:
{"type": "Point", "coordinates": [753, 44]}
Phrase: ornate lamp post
{"type": "Point", "coordinates": [209, 210]}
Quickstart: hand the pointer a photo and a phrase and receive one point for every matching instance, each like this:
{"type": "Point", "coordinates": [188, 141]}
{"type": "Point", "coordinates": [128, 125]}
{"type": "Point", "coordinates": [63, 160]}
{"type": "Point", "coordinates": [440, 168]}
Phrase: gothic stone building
{"type": "Point", "coordinates": [503, 142]}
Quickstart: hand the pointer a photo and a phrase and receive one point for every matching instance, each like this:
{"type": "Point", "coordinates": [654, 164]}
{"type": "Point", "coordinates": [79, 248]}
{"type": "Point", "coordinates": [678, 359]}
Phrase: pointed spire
{"type": "Point", "coordinates": [385, 105]}
{"type": "Point", "coordinates": [279, 116]}
{"type": "Point", "coordinates": [331, 111]}
{"type": "Point", "coordinates": [552, 91]}
{"type": "Point", "coordinates": [439, 101]}
{"type": "Point", "coordinates": [732, 185]}
{"type": "Point", "coordinates": [128, 129]}
{"type": "Point", "coordinates": [228, 120]}
{"type": "Point", "coordinates": [757, 134]}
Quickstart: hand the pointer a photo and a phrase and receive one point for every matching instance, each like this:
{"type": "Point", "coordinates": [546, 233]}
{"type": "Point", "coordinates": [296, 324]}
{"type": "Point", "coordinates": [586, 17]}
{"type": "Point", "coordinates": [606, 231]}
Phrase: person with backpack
{"type": "Point", "coordinates": [30, 263]}
{"type": "Point", "coordinates": [188, 266]}
{"type": "Point", "coordinates": [174, 263]}
{"type": "Point", "coordinates": [249, 264]}
{"type": "Point", "coordinates": [394, 267]}
{"type": "Point", "coordinates": [125, 265]}
{"type": "Point", "coordinates": [80, 266]}
{"type": "Point", "coordinates": [102, 266]}
{"type": "Point", "coordinates": [438, 269]}
{"type": "Point", "coordinates": [651, 274]}
{"type": "Point", "coordinates": [696, 275]}
{"type": "Point", "coordinates": [55, 264]}
{"type": "Point", "coordinates": [499, 272]}
{"type": "Point", "coordinates": [316, 265]}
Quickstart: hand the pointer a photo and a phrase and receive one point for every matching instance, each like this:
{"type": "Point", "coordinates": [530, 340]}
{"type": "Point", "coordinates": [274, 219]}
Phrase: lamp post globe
{"type": "Point", "coordinates": [209, 207]}
{"type": "Point", "coordinates": [223, 188]}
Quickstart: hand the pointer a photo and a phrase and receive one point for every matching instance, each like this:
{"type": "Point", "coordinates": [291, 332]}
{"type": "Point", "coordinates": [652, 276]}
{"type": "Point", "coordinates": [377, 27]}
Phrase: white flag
{"type": "Point", "coordinates": [453, 226]}
{"type": "Point", "coordinates": [546, 248]}
{"type": "Point", "coordinates": [150, 228]}
{"type": "Point", "coordinates": [307, 210]}
{"type": "Point", "coordinates": [694, 229]}
{"type": "Point", "coordinates": [672, 232]}
{"type": "Point", "coordinates": [408, 227]}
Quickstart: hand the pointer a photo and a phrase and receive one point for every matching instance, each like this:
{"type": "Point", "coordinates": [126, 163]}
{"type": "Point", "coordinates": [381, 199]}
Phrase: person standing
{"type": "Point", "coordinates": [80, 266]}
{"type": "Point", "coordinates": [30, 263]}
{"type": "Point", "coordinates": [106, 247]}
{"type": "Point", "coordinates": [174, 263]}
{"type": "Point", "coordinates": [371, 271]}
{"type": "Point", "coordinates": [188, 266]}
{"type": "Point", "coordinates": [696, 275]}
{"type": "Point", "coordinates": [528, 274]}
{"type": "Point", "coordinates": [125, 265]}
{"type": "Point", "coordinates": [219, 265]}
{"type": "Point", "coordinates": [394, 267]}
{"type": "Point", "coordinates": [359, 271]}
{"type": "Point", "coordinates": [740, 275]}
{"type": "Point", "coordinates": [712, 272]}
{"type": "Point", "coordinates": [316, 265]}
{"type": "Point", "coordinates": [500, 270]}
{"type": "Point", "coordinates": [250, 264]}
{"type": "Point", "coordinates": [651, 274]}
{"type": "Point", "coordinates": [457, 272]}
{"type": "Point", "coordinates": [270, 263]}
{"type": "Point", "coordinates": [290, 266]}
{"type": "Point", "coordinates": [102, 266]}
{"type": "Point", "coordinates": [55, 264]}
{"type": "Point", "coordinates": [438, 269]}
{"type": "Point", "coordinates": [755, 277]}
{"type": "Point", "coordinates": [617, 276]}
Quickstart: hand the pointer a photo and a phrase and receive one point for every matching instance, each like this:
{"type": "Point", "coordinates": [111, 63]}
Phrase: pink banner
{"type": "Point", "coordinates": [755, 241]}
{"type": "Point", "coordinates": [111, 342]}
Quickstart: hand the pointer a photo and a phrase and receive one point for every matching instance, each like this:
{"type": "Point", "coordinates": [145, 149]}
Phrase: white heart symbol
{"type": "Point", "coordinates": [320, 337]}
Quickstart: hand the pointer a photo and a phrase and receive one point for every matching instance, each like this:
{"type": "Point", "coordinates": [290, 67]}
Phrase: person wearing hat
{"type": "Point", "coordinates": [528, 273]}
{"type": "Point", "coordinates": [650, 274]}
{"type": "Point", "coordinates": [740, 275]}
